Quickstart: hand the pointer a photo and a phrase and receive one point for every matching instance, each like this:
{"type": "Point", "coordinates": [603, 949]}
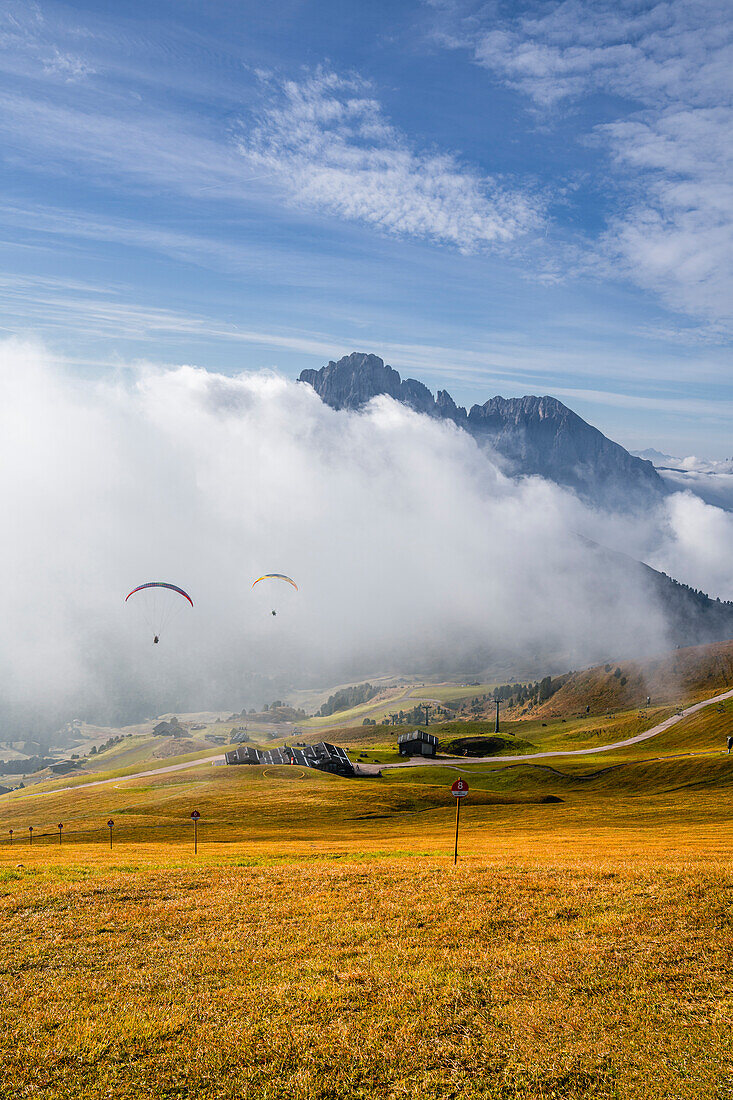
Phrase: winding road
{"type": "Point", "coordinates": [420, 761]}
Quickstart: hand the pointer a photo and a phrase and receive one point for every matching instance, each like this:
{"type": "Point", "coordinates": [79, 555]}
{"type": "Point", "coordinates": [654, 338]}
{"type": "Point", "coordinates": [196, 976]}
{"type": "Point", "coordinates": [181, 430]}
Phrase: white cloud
{"type": "Point", "coordinates": [673, 64]}
{"type": "Point", "coordinates": [29, 46]}
{"type": "Point", "coordinates": [411, 549]}
{"type": "Point", "coordinates": [68, 66]}
{"type": "Point", "coordinates": [697, 545]}
{"type": "Point", "coordinates": [710, 481]}
{"type": "Point", "coordinates": [108, 140]}
{"type": "Point", "coordinates": [656, 53]}
{"type": "Point", "coordinates": [328, 143]}
{"type": "Point", "coordinates": [677, 237]}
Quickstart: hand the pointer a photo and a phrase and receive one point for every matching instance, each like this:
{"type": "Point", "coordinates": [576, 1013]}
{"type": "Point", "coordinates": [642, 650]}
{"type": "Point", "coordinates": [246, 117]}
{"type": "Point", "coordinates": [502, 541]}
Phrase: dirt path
{"type": "Point", "coordinates": [137, 775]}
{"type": "Point", "coordinates": [421, 762]}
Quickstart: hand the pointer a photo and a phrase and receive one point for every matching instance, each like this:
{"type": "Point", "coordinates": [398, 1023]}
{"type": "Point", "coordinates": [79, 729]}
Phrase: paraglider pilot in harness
{"type": "Point", "coordinates": [159, 584]}
{"type": "Point", "coordinates": [277, 577]}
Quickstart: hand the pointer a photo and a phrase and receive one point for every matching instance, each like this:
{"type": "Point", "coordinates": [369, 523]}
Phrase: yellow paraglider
{"type": "Point", "coordinates": [275, 577]}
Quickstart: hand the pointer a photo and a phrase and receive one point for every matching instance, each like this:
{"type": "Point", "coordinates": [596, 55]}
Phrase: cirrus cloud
{"type": "Point", "coordinates": [669, 68]}
{"type": "Point", "coordinates": [328, 143]}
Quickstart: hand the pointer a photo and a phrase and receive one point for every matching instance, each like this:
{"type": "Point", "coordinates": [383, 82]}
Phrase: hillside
{"type": "Point", "coordinates": [685, 675]}
{"type": "Point", "coordinates": [693, 617]}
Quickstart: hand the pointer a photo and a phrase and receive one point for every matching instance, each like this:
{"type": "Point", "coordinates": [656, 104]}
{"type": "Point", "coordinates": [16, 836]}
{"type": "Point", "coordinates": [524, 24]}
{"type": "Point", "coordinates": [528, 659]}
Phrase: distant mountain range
{"type": "Point", "coordinates": [709, 479]}
{"type": "Point", "coordinates": [658, 458]}
{"type": "Point", "coordinates": [540, 435]}
{"type": "Point", "coordinates": [531, 435]}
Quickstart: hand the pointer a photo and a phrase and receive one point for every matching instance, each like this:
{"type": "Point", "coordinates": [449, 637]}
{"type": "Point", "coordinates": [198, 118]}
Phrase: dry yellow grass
{"type": "Point", "coordinates": [525, 974]}
{"type": "Point", "coordinates": [322, 946]}
{"type": "Point", "coordinates": [684, 675]}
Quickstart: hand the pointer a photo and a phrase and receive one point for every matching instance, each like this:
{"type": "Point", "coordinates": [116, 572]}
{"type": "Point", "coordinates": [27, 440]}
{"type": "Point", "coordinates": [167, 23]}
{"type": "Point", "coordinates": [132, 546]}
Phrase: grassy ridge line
{"type": "Point", "coordinates": [275, 811]}
{"type": "Point", "coordinates": [689, 674]}
{"type": "Point", "coordinates": [192, 759]}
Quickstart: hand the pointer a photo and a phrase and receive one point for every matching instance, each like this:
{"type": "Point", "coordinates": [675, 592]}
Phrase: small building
{"type": "Point", "coordinates": [417, 743]}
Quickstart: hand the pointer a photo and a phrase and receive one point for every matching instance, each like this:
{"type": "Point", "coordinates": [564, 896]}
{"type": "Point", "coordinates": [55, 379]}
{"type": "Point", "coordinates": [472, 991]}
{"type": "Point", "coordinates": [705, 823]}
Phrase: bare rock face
{"type": "Point", "coordinates": [531, 435]}
{"type": "Point", "coordinates": [357, 378]}
{"type": "Point", "coordinates": [540, 435]}
{"type": "Point", "coordinates": [353, 381]}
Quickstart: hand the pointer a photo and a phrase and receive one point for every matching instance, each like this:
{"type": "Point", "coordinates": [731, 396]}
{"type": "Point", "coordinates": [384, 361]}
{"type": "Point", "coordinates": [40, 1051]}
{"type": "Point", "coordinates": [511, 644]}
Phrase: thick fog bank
{"type": "Point", "coordinates": [411, 550]}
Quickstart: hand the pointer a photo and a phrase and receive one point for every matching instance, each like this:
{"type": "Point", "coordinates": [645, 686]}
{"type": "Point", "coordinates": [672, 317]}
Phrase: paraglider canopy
{"type": "Point", "coordinates": [160, 584]}
{"type": "Point", "coordinates": [158, 607]}
{"type": "Point", "coordinates": [275, 577]}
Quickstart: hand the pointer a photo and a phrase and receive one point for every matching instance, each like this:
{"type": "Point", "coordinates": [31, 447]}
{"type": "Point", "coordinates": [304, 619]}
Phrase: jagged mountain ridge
{"type": "Point", "coordinates": [532, 435]}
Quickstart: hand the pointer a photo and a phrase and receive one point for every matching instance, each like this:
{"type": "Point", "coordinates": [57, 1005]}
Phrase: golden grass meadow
{"type": "Point", "coordinates": [321, 944]}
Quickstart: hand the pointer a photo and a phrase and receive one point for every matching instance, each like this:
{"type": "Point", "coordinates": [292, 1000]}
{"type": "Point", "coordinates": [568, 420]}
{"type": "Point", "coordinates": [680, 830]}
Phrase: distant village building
{"type": "Point", "coordinates": [170, 729]}
{"type": "Point", "coordinates": [417, 743]}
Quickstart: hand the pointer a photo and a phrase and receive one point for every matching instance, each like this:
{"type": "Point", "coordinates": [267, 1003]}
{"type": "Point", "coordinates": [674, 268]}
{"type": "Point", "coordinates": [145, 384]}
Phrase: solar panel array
{"type": "Point", "coordinates": [323, 757]}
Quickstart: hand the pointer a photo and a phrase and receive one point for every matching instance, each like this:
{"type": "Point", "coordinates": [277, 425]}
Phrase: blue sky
{"type": "Point", "coordinates": [496, 197]}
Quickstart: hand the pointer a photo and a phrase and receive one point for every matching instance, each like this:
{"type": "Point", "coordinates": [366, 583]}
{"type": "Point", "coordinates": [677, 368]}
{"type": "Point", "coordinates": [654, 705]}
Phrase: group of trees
{"type": "Point", "coordinates": [617, 675]}
{"type": "Point", "coordinates": [24, 767]}
{"type": "Point", "coordinates": [346, 698]}
{"type": "Point", "coordinates": [108, 744]}
{"type": "Point", "coordinates": [279, 711]}
{"type": "Point", "coordinates": [531, 694]}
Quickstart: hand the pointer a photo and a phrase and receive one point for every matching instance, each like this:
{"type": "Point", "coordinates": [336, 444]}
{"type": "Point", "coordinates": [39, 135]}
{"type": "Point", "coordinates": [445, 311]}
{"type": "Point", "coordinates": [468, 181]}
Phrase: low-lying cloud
{"type": "Point", "coordinates": [412, 551]}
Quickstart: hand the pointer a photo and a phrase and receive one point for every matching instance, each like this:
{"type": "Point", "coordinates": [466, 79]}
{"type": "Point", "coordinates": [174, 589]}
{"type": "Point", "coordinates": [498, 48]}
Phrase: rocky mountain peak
{"type": "Point", "coordinates": [353, 381]}
{"type": "Point", "coordinates": [531, 435]}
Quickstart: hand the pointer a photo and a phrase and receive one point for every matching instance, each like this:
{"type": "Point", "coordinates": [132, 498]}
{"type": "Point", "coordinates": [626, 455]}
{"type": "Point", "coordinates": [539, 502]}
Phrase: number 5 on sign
{"type": "Point", "coordinates": [459, 790]}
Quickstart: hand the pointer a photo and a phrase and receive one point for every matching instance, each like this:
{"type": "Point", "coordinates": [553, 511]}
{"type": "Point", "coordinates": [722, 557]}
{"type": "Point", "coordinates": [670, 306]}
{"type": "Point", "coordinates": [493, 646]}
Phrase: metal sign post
{"type": "Point", "coordinates": [195, 818]}
{"type": "Point", "coordinates": [11, 836]}
{"type": "Point", "coordinates": [459, 790]}
{"type": "Point", "coordinates": [30, 834]}
{"type": "Point", "coordinates": [110, 823]}
{"type": "Point", "coordinates": [60, 828]}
